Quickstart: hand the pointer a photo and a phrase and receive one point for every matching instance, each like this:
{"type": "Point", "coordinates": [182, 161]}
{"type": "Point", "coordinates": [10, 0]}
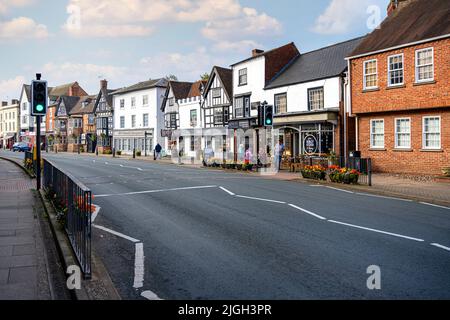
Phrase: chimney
{"type": "Point", "coordinates": [397, 5]}
{"type": "Point", "coordinates": [4, 103]}
{"type": "Point", "coordinates": [256, 52]}
{"type": "Point", "coordinates": [103, 84]}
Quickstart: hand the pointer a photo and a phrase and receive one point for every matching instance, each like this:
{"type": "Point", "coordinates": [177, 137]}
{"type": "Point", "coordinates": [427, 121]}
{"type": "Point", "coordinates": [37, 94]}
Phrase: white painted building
{"type": "Point", "coordinates": [183, 118]}
{"type": "Point", "coordinates": [9, 123]}
{"type": "Point", "coordinates": [138, 118]}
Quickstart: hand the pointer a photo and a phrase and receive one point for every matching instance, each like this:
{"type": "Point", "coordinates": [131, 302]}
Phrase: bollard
{"type": "Point", "coordinates": [134, 153]}
{"type": "Point", "coordinates": [114, 152]}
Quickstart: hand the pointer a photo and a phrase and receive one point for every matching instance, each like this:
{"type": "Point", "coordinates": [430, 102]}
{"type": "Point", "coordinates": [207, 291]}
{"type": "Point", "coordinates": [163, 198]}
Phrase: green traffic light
{"type": "Point", "coordinates": [268, 121]}
{"type": "Point", "coordinates": [39, 108]}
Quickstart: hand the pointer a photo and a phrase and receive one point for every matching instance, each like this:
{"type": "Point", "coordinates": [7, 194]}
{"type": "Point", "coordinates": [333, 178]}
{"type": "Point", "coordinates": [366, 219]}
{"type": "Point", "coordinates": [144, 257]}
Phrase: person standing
{"type": "Point", "coordinates": [279, 150]}
{"type": "Point", "coordinates": [158, 149]}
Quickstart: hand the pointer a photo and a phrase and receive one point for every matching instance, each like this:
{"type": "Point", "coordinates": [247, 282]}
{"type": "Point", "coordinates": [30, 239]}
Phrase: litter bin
{"type": "Point", "coordinates": [355, 154]}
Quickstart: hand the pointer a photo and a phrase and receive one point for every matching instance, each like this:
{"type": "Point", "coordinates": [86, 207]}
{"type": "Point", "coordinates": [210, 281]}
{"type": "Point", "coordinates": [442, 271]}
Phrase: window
{"type": "Point", "coordinates": [91, 119]}
{"type": "Point", "coordinates": [122, 103]}
{"type": "Point", "coordinates": [242, 107]}
{"type": "Point", "coordinates": [377, 134]}
{"type": "Point", "coordinates": [133, 121]}
{"type": "Point", "coordinates": [403, 133]}
{"type": "Point", "coordinates": [424, 65]}
{"type": "Point", "coordinates": [217, 93]}
{"type": "Point", "coordinates": [243, 77]}
{"type": "Point", "coordinates": [24, 119]}
{"type": "Point", "coordinates": [145, 120]}
{"type": "Point", "coordinates": [370, 74]}
{"type": "Point", "coordinates": [24, 106]}
{"type": "Point", "coordinates": [431, 132]}
{"type": "Point", "coordinates": [145, 100]}
{"type": "Point", "coordinates": [193, 118]}
{"type": "Point", "coordinates": [315, 99]}
{"type": "Point", "coordinates": [395, 70]}
{"type": "Point", "coordinates": [173, 120]}
{"type": "Point", "coordinates": [122, 122]}
{"type": "Point", "coordinates": [192, 142]}
{"type": "Point", "coordinates": [171, 102]}
{"type": "Point", "coordinates": [280, 103]}
{"type": "Point", "coordinates": [133, 102]}
{"type": "Point", "coordinates": [218, 116]}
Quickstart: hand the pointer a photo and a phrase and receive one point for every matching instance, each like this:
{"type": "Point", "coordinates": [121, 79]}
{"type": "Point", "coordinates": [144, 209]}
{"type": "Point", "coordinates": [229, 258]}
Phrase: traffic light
{"type": "Point", "coordinates": [268, 116]}
{"type": "Point", "coordinates": [38, 98]}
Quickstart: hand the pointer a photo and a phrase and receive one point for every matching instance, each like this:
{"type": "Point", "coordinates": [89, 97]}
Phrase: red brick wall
{"type": "Point", "coordinates": [414, 161]}
{"type": "Point", "coordinates": [410, 96]}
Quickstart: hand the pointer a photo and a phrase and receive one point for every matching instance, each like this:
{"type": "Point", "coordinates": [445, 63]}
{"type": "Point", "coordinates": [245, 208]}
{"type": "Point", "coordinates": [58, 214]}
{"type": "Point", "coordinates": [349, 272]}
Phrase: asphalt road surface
{"type": "Point", "coordinates": [172, 232]}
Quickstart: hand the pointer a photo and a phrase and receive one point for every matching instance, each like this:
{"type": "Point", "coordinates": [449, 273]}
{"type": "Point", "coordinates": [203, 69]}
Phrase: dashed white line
{"type": "Point", "coordinates": [153, 191]}
{"type": "Point", "coordinates": [260, 199]}
{"type": "Point", "coordinates": [228, 191]}
{"type": "Point", "coordinates": [378, 231]}
{"type": "Point", "coordinates": [307, 211]}
{"type": "Point", "coordinates": [435, 205]}
{"type": "Point", "coordinates": [440, 246]}
{"type": "Point", "coordinates": [121, 235]}
{"type": "Point", "coordinates": [139, 266]}
{"type": "Point", "coordinates": [337, 189]}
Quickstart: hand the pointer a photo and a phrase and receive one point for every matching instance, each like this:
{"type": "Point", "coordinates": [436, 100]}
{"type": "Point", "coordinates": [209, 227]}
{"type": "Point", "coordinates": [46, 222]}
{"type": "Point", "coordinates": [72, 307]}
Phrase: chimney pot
{"type": "Point", "coordinates": [256, 52]}
{"type": "Point", "coordinates": [103, 84]}
{"type": "Point", "coordinates": [397, 5]}
{"type": "Point", "coordinates": [4, 103]}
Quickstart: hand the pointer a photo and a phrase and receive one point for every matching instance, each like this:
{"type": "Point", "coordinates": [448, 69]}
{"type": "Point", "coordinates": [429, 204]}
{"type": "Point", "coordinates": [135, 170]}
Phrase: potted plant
{"type": "Point", "coordinates": [119, 152]}
{"type": "Point", "coordinates": [314, 172]}
{"type": "Point", "coordinates": [446, 171]}
{"type": "Point", "coordinates": [138, 153]}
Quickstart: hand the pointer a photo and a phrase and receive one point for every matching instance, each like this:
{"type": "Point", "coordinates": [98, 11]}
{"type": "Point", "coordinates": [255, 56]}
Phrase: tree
{"type": "Point", "coordinates": [172, 77]}
{"type": "Point", "coordinates": [205, 76]}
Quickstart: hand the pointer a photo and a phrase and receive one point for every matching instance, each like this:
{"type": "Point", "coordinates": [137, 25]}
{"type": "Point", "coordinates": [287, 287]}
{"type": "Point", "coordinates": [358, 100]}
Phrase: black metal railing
{"type": "Point", "coordinates": [363, 165]}
{"type": "Point", "coordinates": [76, 200]}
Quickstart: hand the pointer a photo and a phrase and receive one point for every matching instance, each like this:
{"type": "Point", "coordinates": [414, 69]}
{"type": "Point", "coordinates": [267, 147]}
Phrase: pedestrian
{"type": "Point", "coordinates": [279, 150]}
{"type": "Point", "coordinates": [248, 156]}
{"type": "Point", "coordinates": [241, 152]}
{"type": "Point", "coordinates": [158, 149]}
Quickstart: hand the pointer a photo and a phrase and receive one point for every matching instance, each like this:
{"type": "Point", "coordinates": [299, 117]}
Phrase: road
{"type": "Point", "coordinates": [172, 232]}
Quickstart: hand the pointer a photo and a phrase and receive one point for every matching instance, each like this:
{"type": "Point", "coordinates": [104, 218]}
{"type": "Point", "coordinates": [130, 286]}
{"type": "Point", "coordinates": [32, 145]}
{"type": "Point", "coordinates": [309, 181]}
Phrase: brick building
{"type": "Point", "coordinates": [400, 99]}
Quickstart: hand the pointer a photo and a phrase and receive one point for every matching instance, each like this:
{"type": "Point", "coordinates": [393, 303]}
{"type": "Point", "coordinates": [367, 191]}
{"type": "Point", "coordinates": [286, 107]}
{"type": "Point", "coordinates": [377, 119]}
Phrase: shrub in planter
{"type": "Point", "coordinates": [118, 152]}
{"type": "Point", "coordinates": [446, 171]}
{"type": "Point", "coordinates": [314, 172]}
{"type": "Point", "coordinates": [343, 175]}
{"type": "Point", "coordinates": [138, 153]}
{"type": "Point", "coordinates": [239, 166]}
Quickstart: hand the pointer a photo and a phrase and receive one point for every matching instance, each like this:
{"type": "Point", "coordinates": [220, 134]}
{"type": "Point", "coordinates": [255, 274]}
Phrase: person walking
{"type": "Point", "coordinates": [158, 149]}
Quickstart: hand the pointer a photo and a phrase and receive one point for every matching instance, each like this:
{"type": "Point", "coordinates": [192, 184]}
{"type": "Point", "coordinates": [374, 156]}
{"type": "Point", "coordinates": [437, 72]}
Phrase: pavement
{"type": "Point", "coordinates": [178, 232]}
{"type": "Point", "coordinates": [29, 265]}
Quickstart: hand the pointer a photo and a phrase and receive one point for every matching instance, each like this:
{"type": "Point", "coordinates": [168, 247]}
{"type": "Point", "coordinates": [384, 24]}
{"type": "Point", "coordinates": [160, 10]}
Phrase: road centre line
{"type": "Point", "coordinates": [228, 191]}
{"type": "Point", "coordinates": [121, 235]}
{"type": "Point", "coordinates": [153, 191]}
{"type": "Point", "coordinates": [434, 205]}
{"type": "Point", "coordinates": [307, 211]}
{"type": "Point", "coordinates": [260, 199]}
{"type": "Point", "coordinates": [378, 231]}
{"type": "Point", "coordinates": [440, 246]}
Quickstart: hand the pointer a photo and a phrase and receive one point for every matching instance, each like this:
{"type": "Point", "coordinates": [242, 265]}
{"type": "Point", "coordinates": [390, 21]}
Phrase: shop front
{"type": "Point", "coordinates": [128, 141]}
{"type": "Point", "coordinates": [307, 135]}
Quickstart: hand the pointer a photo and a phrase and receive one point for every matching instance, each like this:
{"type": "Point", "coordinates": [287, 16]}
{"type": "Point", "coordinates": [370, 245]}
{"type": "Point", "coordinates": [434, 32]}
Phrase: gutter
{"type": "Point", "coordinates": [399, 47]}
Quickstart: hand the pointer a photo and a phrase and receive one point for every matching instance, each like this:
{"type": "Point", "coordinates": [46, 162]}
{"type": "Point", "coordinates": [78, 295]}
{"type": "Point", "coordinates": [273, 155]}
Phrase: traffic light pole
{"type": "Point", "coordinates": [38, 153]}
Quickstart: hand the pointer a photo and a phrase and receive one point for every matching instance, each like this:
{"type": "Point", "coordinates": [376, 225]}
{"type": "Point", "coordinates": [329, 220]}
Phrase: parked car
{"type": "Point", "coordinates": [21, 147]}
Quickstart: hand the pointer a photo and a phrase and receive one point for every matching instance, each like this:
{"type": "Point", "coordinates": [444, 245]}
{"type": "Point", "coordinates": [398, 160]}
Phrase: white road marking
{"type": "Point", "coordinates": [434, 205]}
{"type": "Point", "coordinates": [139, 266]}
{"type": "Point", "coordinates": [228, 191]}
{"type": "Point", "coordinates": [153, 191]}
{"type": "Point", "coordinates": [378, 231]}
{"type": "Point", "coordinates": [149, 295]}
{"type": "Point", "coordinates": [308, 212]}
{"type": "Point", "coordinates": [121, 235]}
{"type": "Point", "coordinates": [140, 169]}
{"type": "Point", "coordinates": [440, 246]}
{"type": "Point", "coordinates": [315, 185]}
{"type": "Point", "coordinates": [95, 213]}
{"type": "Point", "coordinates": [106, 163]}
{"type": "Point", "coordinates": [260, 199]}
{"type": "Point", "coordinates": [337, 189]}
{"type": "Point", "coordinates": [382, 197]}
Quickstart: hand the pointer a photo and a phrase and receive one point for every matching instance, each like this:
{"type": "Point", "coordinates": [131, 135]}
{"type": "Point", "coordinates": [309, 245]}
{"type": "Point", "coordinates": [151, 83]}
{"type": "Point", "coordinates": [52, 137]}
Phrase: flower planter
{"type": "Point", "coordinates": [446, 171]}
{"type": "Point", "coordinates": [239, 166]}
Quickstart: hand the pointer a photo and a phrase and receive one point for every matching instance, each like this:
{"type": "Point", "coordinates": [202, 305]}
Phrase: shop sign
{"type": "Point", "coordinates": [310, 144]}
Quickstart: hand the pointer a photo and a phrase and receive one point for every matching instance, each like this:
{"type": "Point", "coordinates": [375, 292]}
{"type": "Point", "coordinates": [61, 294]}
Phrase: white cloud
{"type": "Point", "coordinates": [10, 88]}
{"type": "Point", "coordinates": [341, 15]}
{"type": "Point", "coordinates": [242, 46]}
{"type": "Point", "coordinates": [225, 20]}
{"type": "Point", "coordinates": [5, 5]}
{"type": "Point", "coordinates": [22, 28]}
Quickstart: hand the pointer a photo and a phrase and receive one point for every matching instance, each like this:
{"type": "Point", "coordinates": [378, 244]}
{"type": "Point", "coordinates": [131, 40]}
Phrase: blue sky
{"type": "Point", "coordinates": [127, 41]}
